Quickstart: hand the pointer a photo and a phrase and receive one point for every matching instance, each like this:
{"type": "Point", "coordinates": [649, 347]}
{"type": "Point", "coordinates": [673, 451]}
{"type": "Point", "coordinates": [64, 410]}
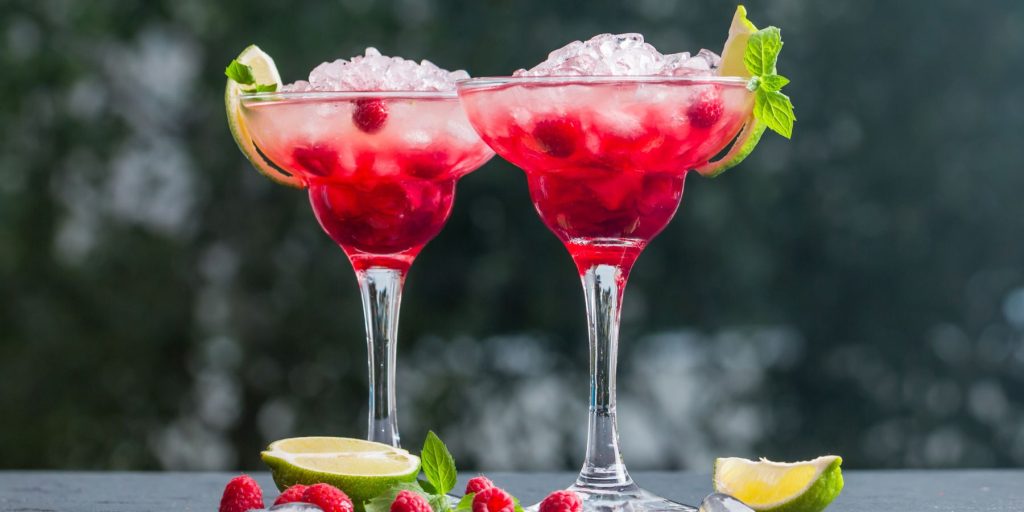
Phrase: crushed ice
{"type": "Point", "coordinates": [376, 72]}
{"type": "Point", "coordinates": [621, 55]}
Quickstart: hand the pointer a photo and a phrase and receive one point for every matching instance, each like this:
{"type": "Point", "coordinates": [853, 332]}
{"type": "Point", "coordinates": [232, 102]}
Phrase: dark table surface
{"type": "Point", "coordinates": [865, 491]}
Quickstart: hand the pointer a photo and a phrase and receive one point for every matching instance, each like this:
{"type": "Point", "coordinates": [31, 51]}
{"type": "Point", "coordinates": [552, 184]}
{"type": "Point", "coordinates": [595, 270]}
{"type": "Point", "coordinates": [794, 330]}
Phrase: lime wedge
{"type": "Point", "coordinates": [732, 65]}
{"type": "Point", "coordinates": [736, 45]}
{"type": "Point", "coordinates": [763, 485]}
{"type": "Point", "coordinates": [265, 73]}
{"type": "Point", "coordinates": [363, 469]}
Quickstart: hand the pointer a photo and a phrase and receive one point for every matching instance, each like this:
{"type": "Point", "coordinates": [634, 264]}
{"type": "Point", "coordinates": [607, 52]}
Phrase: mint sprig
{"type": "Point", "coordinates": [439, 469]}
{"type": "Point", "coordinates": [438, 464]}
{"type": "Point", "coordinates": [771, 106]}
{"type": "Point", "coordinates": [242, 74]}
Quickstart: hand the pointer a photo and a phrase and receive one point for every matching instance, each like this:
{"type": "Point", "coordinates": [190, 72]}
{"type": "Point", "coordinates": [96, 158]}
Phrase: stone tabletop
{"type": "Point", "coordinates": [866, 491]}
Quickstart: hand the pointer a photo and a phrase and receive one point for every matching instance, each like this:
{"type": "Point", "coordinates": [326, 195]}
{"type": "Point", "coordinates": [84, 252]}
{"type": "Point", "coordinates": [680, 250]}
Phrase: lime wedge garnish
{"type": "Point", "coordinates": [732, 65]}
{"type": "Point", "coordinates": [265, 73]}
{"type": "Point", "coordinates": [763, 485]}
{"type": "Point", "coordinates": [736, 45]}
{"type": "Point", "coordinates": [363, 469]}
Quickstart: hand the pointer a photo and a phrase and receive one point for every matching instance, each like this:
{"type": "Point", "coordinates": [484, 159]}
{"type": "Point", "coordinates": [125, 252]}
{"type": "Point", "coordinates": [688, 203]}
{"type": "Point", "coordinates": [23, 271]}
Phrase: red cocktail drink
{"type": "Point", "coordinates": [606, 158]}
{"type": "Point", "coordinates": [380, 167]}
{"type": "Point", "coordinates": [379, 143]}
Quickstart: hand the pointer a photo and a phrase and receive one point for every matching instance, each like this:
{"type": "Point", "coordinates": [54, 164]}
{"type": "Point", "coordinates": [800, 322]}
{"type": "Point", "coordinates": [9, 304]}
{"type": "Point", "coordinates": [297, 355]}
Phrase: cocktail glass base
{"type": "Point", "coordinates": [629, 499]}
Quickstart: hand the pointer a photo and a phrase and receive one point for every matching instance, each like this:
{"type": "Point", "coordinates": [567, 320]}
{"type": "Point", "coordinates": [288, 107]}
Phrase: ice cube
{"type": "Point", "coordinates": [375, 72]}
{"type": "Point", "coordinates": [620, 55]}
{"type": "Point", "coordinates": [299, 86]}
{"type": "Point", "coordinates": [718, 502]}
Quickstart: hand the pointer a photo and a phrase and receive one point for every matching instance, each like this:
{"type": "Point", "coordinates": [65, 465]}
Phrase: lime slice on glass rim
{"type": "Point", "coordinates": [264, 72]}
{"type": "Point", "coordinates": [766, 486]}
{"type": "Point", "coordinates": [732, 65]}
{"type": "Point", "coordinates": [363, 469]}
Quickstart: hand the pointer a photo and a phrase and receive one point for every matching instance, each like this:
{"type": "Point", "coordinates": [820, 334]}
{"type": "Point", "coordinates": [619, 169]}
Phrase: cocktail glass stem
{"type": "Point", "coordinates": [603, 469]}
{"type": "Point", "coordinates": [381, 290]}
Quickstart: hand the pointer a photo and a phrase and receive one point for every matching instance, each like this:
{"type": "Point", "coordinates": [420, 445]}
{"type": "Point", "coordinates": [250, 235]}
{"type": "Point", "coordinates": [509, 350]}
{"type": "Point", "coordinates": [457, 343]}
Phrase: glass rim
{"type": "Point", "coordinates": [347, 95]}
{"type": "Point", "coordinates": [492, 81]}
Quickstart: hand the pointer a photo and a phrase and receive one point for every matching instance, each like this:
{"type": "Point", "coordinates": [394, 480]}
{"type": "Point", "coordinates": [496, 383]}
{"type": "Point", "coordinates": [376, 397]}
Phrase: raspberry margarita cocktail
{"type": "Point", "coordinates": [606, 132]}
{"type": "Point", "coordinates": [379, 144]}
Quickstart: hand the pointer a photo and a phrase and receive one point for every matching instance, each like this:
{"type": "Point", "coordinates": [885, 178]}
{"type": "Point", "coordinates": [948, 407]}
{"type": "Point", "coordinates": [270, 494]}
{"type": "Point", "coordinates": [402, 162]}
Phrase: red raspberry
{"type": "Point", "coordinates": [327, 497]}
{"type": "Point", "coordinates": [557, 137]}
{"type": "Point", "coordinates": [241, 494]}
{"type": "Point", "coordinates": [706, 109]}
{"type": "Point", "coordinates": [561, 501]}
{"type": "Point", "coordinates": [493, 499]}
{"type": "Point", "coordinates": [478, 483]}
{"type": "Point", "coordinates": [408, 501]}
{"type": "Point", "coordinates": [370, 114]}
{"type": "Point", "coordinates": [291, 495]}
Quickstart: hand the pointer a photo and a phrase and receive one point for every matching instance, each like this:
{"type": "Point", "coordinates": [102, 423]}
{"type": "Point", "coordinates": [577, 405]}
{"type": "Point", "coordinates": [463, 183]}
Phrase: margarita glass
{"type": "Point", "coordinates": [605, 160]}
{"type": "Point", "coordinates": [380, 169]}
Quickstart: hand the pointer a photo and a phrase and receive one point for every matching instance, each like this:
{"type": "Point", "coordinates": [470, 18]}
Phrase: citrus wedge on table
{"type": "Point", "coordinates": [763, 485]}
{"type": "Point", "coordinates": [732, 65]}
{"type": "Point", "coordinates": [264, 73]}
{"type": "Point", "coordinates": [363, 469]}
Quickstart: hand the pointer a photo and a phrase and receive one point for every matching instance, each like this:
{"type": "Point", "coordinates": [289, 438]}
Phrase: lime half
{"type": "Point", "coordinates": [363, 469]}
{"type": "Point", "coordinates": [763, 485]}
{"type": "Point", "coordinates": [264, 71]}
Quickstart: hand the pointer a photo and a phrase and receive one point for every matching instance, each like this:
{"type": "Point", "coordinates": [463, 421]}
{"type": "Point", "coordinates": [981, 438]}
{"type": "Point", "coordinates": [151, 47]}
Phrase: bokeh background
{"type": "Point", "coordinates": [857, 290]}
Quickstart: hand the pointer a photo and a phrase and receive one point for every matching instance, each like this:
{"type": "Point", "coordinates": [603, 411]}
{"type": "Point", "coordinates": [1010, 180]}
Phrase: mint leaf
{"type": "Point", "coordinates": [266, 88]}
{"type": "Point", "coordinates": [439, 503]}
{"type": "Point", "coordinates": [762, 51]}
{"type": "Point", "coordinates": [240, 73]}
{"type": "Point", "coordinates": [772, 83]}
{"type": "Point", "coordinates": [466, 503]}
{"type": "Point", "coordinates": [775, 110]}
{"type": "Point", "coordinates": [438, 464]}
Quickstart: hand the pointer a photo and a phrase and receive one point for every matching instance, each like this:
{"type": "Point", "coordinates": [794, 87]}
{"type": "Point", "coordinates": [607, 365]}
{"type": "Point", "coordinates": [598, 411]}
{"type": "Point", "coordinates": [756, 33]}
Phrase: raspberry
{"type": "Point", "coordinates": [493, 499]}
{"type": "Point", "coordinates": [291, 495]}
{"type": "Point", "coordinates": [327, 497]}
{"type": "Point", "coordinates": [706, 109]}
{"type": "Point", "coordinates": [370, 114]}
{"type": "Point", "coordinates": [241, 494]}
{"type": "Point", "coordinates": [408, 501]}
{"type": "Point", "coordinates": [557, 137]}
{"type": "Point", "coordinates": [317, 159]}
{"type": "Point", "coordinates": [561, 501]}
{"type": "Point", "coordinates": [478, 483]}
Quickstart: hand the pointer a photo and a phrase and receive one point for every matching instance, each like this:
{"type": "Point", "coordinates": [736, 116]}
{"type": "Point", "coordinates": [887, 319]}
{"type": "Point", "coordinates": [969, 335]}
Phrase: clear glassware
{"type": "Point", "coordinates": [605, 160]}
{"type": "Point", "coordinates": [380, 169]}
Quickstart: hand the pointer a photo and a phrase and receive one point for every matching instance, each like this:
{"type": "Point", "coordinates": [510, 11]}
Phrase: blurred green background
{"type": "Point", "coordinates": [858, 290]}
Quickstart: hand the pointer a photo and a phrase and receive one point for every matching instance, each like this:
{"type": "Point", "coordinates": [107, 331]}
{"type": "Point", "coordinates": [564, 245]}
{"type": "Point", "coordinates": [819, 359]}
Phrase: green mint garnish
{"type": "Point", "coordinates": [243, 75]}
{"type": "Point", "coordinates": [771, 106]}
{"type": "Point", "coordinates": [466, 503]}
{"type": "Point", "coordinates": [439, 467]}
{"type": "Point", "coordinates": [438, 464]}
{"type": "Point", "coordinates": [240, 73]}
